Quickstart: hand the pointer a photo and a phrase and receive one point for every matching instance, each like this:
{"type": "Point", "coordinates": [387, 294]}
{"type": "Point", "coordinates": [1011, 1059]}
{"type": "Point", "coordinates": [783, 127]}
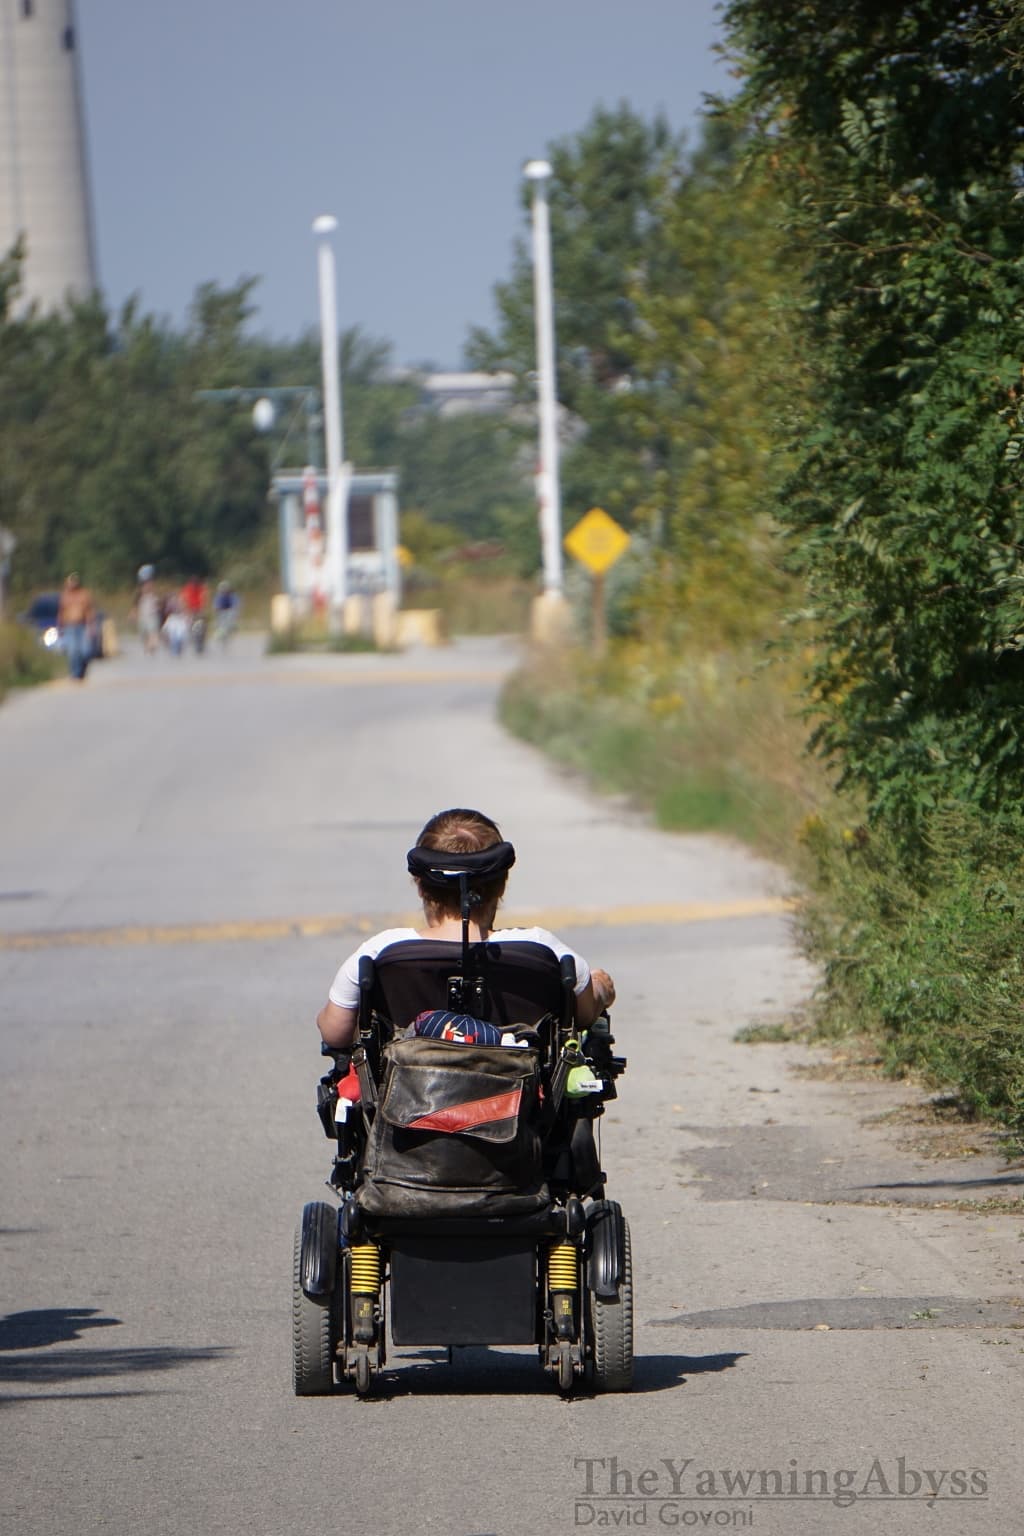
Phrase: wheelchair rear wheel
{"type": "Point", "coordinates": [610, 1329]}
{"type": "Point", "coordinates": [315, 1333]}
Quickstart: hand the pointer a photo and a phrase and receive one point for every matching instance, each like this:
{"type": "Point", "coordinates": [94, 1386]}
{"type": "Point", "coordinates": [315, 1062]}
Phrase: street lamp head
{"type": "Point", "coordinates": [537, 170]}
{"type": "Point", "coordinates": [326, 224]}
{"type": "Point", "coordinates": [263, 414]}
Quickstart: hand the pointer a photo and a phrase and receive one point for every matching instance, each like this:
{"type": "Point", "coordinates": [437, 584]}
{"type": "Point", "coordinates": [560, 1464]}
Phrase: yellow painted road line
{"type": "Point", "coordinates": [558, 918]}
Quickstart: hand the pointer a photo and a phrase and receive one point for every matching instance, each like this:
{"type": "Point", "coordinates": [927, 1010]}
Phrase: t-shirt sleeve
{"type": "Point", "coordinates": [344, 989]}
{"type": "Point", "coordinates": [561, 948]}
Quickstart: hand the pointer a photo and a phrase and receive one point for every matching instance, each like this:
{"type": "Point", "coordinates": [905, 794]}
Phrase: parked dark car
{"type": "Point", "coordinates": [41, 615]}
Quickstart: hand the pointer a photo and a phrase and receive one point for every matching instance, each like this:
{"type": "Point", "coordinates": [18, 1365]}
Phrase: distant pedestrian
{"type": "Point", "coordinates": [76, 620]}
{"type": "Point", "coordinates": [175, 627]}
{"type": "Point", "coordinates": [147, 610]}
{"type": "Point", "coordinates": [194, 598]}
{"type": "Point", "coordinates": [225, 611]}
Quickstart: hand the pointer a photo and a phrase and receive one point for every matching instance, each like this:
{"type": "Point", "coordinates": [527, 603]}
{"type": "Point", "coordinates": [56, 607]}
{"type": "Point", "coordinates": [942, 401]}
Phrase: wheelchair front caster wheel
{"type": "Point", "coordinates": [364, 1374]}
{"type": "Point", "coordinates": [566, 1372]}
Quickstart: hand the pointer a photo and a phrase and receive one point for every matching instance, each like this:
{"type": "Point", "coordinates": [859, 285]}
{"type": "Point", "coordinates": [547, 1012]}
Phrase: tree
{"type": "Point", "coordinates": [719, 378]}
{"type": "Point", "coordinates": [466, 473]}
{"type": "Point", "coordinates": [899, 130]}
{"type": "Point", "coordinates": [106, 458]}
{"type": "Point", "coordinates": [607, 200]}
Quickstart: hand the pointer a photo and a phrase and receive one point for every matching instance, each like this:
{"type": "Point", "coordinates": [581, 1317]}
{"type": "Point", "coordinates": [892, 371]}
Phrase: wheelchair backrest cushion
{"type": "Point", "coordinates": [523, 981]}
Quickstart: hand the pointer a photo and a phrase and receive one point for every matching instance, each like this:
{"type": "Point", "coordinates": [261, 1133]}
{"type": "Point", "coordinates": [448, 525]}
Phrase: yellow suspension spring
{"type": "Point", "coordinates": [563, 1270]}
{"type": "Point", "coordinates": [365, 1274]}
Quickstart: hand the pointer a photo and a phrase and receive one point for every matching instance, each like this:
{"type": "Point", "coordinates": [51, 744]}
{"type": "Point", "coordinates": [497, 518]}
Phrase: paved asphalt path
{"type": "Point", "coordinates": [828, 1319]}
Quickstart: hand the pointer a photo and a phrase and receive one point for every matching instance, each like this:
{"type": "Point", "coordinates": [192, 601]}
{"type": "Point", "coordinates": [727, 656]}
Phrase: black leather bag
{"type": "Point", "coordinates": [456, 1132]}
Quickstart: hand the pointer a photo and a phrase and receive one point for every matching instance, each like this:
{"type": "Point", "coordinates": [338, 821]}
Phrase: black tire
{"type": "Point", "coordinates": [364, 1374]}
{"type": "Point", "coordinates": [611, 1331]}
{"type": "Point", "coordinates": [314, 1334]}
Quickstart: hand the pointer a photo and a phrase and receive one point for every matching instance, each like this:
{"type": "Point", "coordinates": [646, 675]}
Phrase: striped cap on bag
{"type": "Point", "coordinates": [439, 1024]}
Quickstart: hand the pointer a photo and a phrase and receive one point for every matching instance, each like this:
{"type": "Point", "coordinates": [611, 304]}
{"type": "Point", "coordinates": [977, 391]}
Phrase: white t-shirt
{"type": "Point", "coordinates": [345, 986]}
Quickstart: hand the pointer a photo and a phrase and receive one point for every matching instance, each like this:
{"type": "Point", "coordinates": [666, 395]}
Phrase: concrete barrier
{"type": "Point", "coordinates": [108, 638]}
{"type": "Point", "coordinates": [385, 626]}
{"type": "Point", "coordinates": [550, 619]}
{"type": "Point", "coordinates": [282, 615]}
{"type": "Point", "coordinates": [420, 626]}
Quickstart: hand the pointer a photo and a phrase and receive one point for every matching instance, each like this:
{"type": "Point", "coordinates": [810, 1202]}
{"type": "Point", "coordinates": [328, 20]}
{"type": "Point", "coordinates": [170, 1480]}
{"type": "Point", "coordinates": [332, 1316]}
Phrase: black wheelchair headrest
{"type": "Point", "coordinates": [443, 870]}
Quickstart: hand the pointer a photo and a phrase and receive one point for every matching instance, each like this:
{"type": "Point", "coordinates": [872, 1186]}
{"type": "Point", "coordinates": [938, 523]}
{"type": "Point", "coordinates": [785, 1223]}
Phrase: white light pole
{"type": "Point", "coordinates": [337, 480]}
{"type": "Point", "coordinates": [539, 173]}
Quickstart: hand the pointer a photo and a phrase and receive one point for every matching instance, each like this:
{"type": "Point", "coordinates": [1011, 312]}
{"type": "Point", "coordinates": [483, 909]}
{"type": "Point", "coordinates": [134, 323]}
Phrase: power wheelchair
{"type": "Point", "coordinates": [472, 1201]}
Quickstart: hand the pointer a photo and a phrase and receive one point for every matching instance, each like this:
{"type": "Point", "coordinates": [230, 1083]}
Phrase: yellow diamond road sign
{"type": "Point", "coordinates": [597, 541]}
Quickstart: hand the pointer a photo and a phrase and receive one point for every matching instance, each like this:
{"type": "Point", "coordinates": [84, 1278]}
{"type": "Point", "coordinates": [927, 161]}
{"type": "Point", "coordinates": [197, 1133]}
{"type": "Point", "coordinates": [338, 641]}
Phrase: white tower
{"type": "Point", "coordinates": [43, 183]}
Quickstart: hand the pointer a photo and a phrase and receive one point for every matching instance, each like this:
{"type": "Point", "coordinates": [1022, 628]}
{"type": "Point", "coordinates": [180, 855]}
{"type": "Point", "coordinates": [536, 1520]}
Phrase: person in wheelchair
{"type": "Point", "coordinates": [457, 831]}
{"type": "Point", "coordinates": [473, 1202]}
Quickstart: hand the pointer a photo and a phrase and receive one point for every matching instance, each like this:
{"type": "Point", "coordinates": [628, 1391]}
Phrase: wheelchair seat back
{"type": "Point", "coordinates": [458, 1127]}
{"type": "Point", "coordinates": [519, 981]}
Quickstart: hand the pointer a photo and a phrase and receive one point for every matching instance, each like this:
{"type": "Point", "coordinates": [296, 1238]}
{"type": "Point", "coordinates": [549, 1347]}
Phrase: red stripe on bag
{"type": "Point", "coordinates": [464, 1117]}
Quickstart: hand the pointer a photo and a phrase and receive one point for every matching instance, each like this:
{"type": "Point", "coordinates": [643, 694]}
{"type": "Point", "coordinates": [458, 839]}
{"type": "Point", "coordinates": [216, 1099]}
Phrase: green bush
{"type": "Point", "coordinates": [23, 661]}
{"type": "Point", "coordinates": [927, 957]}
{"type": "Point", "coordinates": [922, 954]}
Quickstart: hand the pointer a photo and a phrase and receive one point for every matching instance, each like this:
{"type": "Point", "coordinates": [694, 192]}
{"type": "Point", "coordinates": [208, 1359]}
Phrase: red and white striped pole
{"type": "Point", "coordinates": [314, 537]}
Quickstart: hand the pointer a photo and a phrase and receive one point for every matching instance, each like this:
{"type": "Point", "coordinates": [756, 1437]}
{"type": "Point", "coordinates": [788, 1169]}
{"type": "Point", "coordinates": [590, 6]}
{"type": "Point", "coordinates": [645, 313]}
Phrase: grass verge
{"type": "Point", "coordinates": [283, 642]}
{"type": "Point", "coordinates": [709, 745]}
{"type": "Point", "coordinates": [23, 661]}
{"type": "Point", "coordinates": [925, 961]}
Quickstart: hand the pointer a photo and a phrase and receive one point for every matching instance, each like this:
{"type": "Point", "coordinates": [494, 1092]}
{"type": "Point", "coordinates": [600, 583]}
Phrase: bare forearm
{"type": "Point", "coordinates": [337, 1026]}
{"type": "Point", "coordinates": [598, 995]}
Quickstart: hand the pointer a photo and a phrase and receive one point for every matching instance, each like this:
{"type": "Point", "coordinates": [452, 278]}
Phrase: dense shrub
{"type": "Point", "coordinates": [927, 955]}
{"type": "Point", "coordinates": [23, 660]}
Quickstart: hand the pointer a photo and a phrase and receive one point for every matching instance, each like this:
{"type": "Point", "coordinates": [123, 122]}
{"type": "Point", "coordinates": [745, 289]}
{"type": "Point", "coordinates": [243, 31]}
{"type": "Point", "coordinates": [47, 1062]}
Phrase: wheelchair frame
{"type": "Point", "coordinates": [559, 1278]}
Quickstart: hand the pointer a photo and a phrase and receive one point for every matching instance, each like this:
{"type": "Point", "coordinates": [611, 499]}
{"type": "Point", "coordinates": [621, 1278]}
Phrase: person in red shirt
{"type": "Point", "coordinates": [194, 598]}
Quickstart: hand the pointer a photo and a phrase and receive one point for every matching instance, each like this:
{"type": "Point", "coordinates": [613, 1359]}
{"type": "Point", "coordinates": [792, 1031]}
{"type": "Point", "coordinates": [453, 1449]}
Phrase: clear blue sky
{"type": "Point", "coordinates": [218, 129]}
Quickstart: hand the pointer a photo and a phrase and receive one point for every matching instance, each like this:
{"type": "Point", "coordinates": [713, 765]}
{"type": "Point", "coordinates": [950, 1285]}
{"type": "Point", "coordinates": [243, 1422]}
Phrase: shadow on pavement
{"type": "Point", "coordinates": [479, 1372]}
{"type": "Point", "coordinates": [99, 1364]}
{"type": "Point", "coordinates": [28, 1357]}
{"type": "Point", "coordinates": [1002, 1178]}
{"type": "Point", "coordinates": [655, 1373]}
{"type": "Point", "coordinates": [8, 1399]}
{"type": "Point", "coordinates": [50, 1325]}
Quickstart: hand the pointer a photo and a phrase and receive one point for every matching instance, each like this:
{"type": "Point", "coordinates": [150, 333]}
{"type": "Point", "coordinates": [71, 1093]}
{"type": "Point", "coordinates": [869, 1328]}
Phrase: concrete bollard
{"type": "Point", "coordinates": [420, 626]}
{"type": "Point", "coordinates": [385, 627]}
{"type": "Point", "coordinates": [550, 619]}
{"type": "Point", "coordinates": [108, 638]}
{"type": "Point", "coordinates": [282, 617]}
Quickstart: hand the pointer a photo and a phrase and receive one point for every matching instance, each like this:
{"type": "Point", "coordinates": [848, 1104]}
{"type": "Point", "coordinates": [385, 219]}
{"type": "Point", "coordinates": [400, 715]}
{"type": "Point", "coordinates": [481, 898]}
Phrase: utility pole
{"type": "Point", "coordinates": [337, 471]}
{"type": "Point", "coordinates": [539, 173]}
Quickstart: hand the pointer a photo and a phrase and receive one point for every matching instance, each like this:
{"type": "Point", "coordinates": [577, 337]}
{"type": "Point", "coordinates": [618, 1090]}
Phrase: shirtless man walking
{"type": "Point", "coordinates": [75, 617]}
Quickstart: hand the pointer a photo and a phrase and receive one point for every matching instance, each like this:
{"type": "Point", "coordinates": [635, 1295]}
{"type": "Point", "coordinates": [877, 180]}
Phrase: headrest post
{"type": "Point", "coordinates": [464, 893]}
{"type": "Point", "coordinates": [439, 870]}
